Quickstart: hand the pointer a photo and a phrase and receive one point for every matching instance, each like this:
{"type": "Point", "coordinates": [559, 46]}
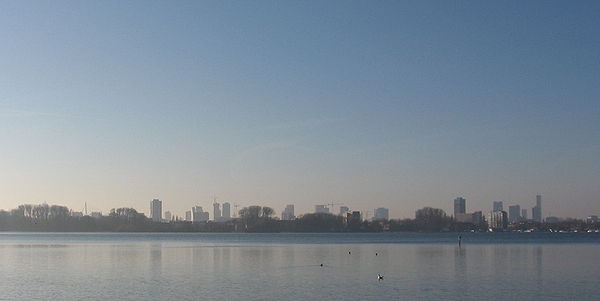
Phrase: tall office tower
{"type": "Point", "coordinates": [216, 211]}
{"type": "Point", "coordinates": [536, 212]}
{"type": "Point", "coordinates": [381, 214]}
{"type": "Point", "coordinates": [344, 210]}
{"type": "Point", "coordinates": [199, 215]}
{"type": "Point", "coordinates": [288, 213]}
{"type": "Point", "coordinates": [498, 206]}
{"type": "Point", "coordinates": [226, 211]}
{"type": "Point", "coordinates": [156, 210]}
{"type": "Point", "coordinates": [168, 216]}
{"type": "Point", "coordinates": [524, 214]}
{"type": "Point", "coordinates": [188, 216]}
{"type": "Point", "coordinates": [460, 206]}
{"type": "Point", "coordinates": [321, 209]}
{"type": "Point", "coordinates": [514, 213]}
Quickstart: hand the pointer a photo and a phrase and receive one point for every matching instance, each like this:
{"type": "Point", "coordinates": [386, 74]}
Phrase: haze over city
{"type": "Point", "coordinates": [399, 105]}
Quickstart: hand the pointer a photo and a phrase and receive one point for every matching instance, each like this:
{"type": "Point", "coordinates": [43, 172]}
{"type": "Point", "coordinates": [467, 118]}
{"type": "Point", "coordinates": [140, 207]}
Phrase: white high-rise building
{"type": "Point", "coordinates": [226, 211]}
{"type": "Point", "coordinates": [168, 216]}
{"type": "Point", "coordinates": [156, 210]}
{"type": "Point", "coordinates": [216, 212]}
{"type": "Point", "coordinates": [288, 213]}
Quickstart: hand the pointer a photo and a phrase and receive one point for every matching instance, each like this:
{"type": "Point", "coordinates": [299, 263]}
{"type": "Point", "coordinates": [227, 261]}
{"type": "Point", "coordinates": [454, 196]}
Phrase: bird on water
{"type": "Point", "coordinates": [379, 277]}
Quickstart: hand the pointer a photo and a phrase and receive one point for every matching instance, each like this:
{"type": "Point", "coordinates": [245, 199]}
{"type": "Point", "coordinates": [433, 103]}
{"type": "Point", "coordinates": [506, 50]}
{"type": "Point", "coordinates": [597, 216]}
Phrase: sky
{"type": "Point", "coordinates": [397, 104]}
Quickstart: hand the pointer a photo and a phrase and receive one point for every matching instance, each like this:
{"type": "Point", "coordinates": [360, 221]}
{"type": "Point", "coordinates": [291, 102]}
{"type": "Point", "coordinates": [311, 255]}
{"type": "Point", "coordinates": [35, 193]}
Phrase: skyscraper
{"type": "Point", "coordinates": [288, 213]}
{"type": "Point", "coordinates": [199, 215]}
{"type": "Point", "coordinates": [460, 206]}
{"type": "Point", "coordinates": [498, 206]}
{"type": "Point", "coordinates": [226, 211]}
{"type": "Point", "coordinates": [156, 210]}
{"type": "Point", "coordinates": [514, 213]}
{"type": "Point", "coordinates": [524, 214]}
{"type": "Point", "coordinates": [381, 214]}
{"type": "Point", "coordinates": [216, 211]}
{"type": "Point", "coordinates": [168, 216]}
{"type": "Point", "coordinates": [536, 212]}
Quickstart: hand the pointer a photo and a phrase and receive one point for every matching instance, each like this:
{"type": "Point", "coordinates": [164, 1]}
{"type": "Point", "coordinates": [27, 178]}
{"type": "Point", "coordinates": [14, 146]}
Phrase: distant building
{"type": "Point", "coordinates": [514, 214]}
{"type": "Point", "coordinates": [353, 216]}
{"type": "Point", "coordinates": [498, 220]}
{"type": "Point", "coordinates": [477, 217]}
{"type": "Point", "coordinates": [592, 219]}
{"type": "Point", "coordinates": [226, 212]}
{"type": "Point", "coordinates": [552, 220]}
{"type": "Point", "coordinates": [536, 212]}
{"type": "Point", "coordinates": [460, 206]}
{"type": "Point", "coordinates": [288, 213]}
{"type": "Point", "coordinates": [344, 210]}
{"type": "Point", "coordinates": [321, 209]}
{"type": "Point", "coordinates": [199, 215]}
{"type": "Point", "coordinates": [168, 216]}
{"type": "Point", "coordinates": [498, 206]}
{"type": "Point", "coordinates": [381, 214]}
{"type": "Point", "coordinates": [524, 214]}
{"type": "Point", "coordinates": [471, 218]}
{"type": "Point", "coordinates": [96, 214]}
{"type": "Point", "coordinates": [188, 216]}
{"type": "Point", "coordinates": [76, 214]}
{"type": "Point", "coordinates": [216, 212]}
{"type": "Point", "coordinates": [156, 210]}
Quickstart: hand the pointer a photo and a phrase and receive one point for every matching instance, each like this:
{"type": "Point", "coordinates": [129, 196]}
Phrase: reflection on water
{"type": "Point", "coordinates": [192, 270]}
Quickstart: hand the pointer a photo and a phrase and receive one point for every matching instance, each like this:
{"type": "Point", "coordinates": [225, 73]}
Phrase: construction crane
{"type": "Point", "coordinates": [333, 204]}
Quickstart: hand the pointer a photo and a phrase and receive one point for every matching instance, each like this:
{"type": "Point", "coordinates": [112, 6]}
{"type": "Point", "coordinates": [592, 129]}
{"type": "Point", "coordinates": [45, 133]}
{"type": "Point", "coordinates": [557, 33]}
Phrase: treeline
{"type": "Point", "coordinates": [45, 218]}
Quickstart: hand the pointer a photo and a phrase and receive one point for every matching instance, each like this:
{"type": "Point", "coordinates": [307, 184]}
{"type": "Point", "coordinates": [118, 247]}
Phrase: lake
{"type": "Point", "coordinates": [233, 266]}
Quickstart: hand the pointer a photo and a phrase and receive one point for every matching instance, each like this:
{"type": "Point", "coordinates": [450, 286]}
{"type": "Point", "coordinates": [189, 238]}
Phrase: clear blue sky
{"type": "Point", "coordinates": [369, 103]}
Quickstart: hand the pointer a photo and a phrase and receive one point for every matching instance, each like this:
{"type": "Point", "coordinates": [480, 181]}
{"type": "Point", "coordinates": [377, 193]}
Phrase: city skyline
{"type": "Point", "coordinates": [222, 211]}
{"type": "Point", "coordinates": [395, 104]}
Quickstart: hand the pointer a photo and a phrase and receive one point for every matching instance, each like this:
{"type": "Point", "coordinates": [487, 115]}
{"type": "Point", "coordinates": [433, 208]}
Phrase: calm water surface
{"type": "Point", "coordinates": [493, 266]}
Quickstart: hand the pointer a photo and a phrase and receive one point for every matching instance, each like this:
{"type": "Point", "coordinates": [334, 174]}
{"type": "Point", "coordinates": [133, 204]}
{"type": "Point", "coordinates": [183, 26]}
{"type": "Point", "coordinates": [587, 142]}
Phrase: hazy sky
{"type": "Point", "coordinates": [368, 103]}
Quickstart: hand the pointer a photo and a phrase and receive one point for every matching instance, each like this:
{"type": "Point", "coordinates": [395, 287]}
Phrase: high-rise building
{"type": "Point", "coordinates": [321, 209]}
{"type": "Point", "coordinates": [381, 214]}
{"type": "Point", "coordinates": [524, 214]}
{"type": "Point", "coordinates": [536, 212]}
{"type": "Point", "coordinates": [344, 210]}
{"type": "Point", "coordinates": [288, 213]}
{"type": "Point", "coordinates": [460, 206]}
{"type": "Point", "coordinates": [498, 206]}
{"type": "Point", "coordinates": [514, 213]}
{"type": "Point", "coordinates": [188, 216]}
{"type": "Point", "coordinates": [168, 216]}
{"type": "Point", "coordinates": [199, 215]}
{"type": "Point", "coordinates": [498, 220]}
{"type": "Point", "coordinates": [156, 210]}
{"type": "Point", "coordinates": [216, 211]}
{"type": "Point", "coordinates": [226, 212]}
